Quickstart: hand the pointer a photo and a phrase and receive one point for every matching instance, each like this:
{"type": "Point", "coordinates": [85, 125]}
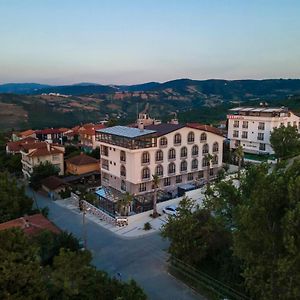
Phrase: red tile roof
{"type": "Point", "coordinates": [45, 152]}
{"type": "Point", "coordinates": [53, 182]}
{"type": "Point", "coordinates": [16, 146]}
{"type": "Point", "coordinates": [31, 225]}
{"type": "Point", "coordinates": [204, 128]}
{"type": "Point", "coordinates": [26, 133]}
{"type": "Point", "coordinates": [82, 159]}
{"type": "Point", "coordinates": [90, 129]}
{"type": "Point", "coordinates": [49, 131]}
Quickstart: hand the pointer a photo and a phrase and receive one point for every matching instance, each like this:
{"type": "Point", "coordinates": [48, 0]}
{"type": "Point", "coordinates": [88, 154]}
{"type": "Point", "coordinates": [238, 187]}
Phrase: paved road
{"type": "Point", "coordinates": [143, 259]}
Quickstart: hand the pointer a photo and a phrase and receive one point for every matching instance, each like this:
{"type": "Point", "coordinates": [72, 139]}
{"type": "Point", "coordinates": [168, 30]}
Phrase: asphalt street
{"type": "Point", "coordinates": [144, 259]}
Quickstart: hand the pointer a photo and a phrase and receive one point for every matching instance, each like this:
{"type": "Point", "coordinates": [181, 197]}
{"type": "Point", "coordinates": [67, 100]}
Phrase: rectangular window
{"type": "Point", "coordinates": [178, 178]}
{"type": "Point", "coordinates": [167, 181]}
{"type": "Point", "coordinates": [245, 124]}
{"type": "Point", "coordinates": [236, 124]}
{"type": "Point", "coordinates": [289, 124]}
{"type": "Point", "coordinates": [142, 187]}
{"type": "Point", "coordinates": [260, 136]}
{"type": "Point", "coordinates": [261, 126]}
{"type": "Point", "coordinates": [244, 134]}
{"type": "Point", "coordinates": [235, 133]}
{"type": "Point", "coordinates": [262, 147]}
{"type": "Point", "coordinates": [211, 172]}
{"type": "Point", "coordinates": [190, 177]}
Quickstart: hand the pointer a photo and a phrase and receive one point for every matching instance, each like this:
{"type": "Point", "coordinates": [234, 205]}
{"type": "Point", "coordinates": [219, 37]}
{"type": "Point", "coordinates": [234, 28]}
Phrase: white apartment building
{"type": "Point", "coordinates": [251, 127]}
{"type": "Point", "coordinates": [35, 153]}
{"type": "Point", "coordinates": [176, 153]}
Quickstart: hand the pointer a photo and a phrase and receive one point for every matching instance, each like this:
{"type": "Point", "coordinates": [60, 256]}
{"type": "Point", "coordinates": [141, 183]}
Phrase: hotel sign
{"type": "Point", "coordinates": [235, 117]}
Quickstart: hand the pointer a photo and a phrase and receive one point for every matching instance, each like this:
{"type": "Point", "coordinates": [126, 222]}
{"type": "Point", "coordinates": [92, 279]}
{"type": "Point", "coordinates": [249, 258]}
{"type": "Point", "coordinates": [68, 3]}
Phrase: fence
{"type": "Point", "coordinates": [88, 207]}
{"type": "Point", "coordinates": [201, 280]}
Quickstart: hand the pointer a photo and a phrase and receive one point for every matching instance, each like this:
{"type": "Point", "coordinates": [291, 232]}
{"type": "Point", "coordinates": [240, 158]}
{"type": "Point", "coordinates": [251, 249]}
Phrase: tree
{"type": "Point", "coordinates": [208, 158]}
{"type": "Point", "coordinates": [40, 172]}
{"type": "Point", "coordinates": [266, 237]}
{"type": "Point", "coordinates": [13, 201]}
{"type": "Point", "coordinates": [285, 141]}
{"type": "Point", "coordinates": [111, 123]}
{"type": "Point", "coordinates": [239, 154]}
{"type": "Point", "coordinates": [155, 181]}
{"type": "Point", "coordinates": [95, 153]}
{"type": "Point", "coordinates": [195, 236]}
{"type": "Point", "coordinates": [20, 274]}
{"type": "Point", "coordinates": [124, 203]}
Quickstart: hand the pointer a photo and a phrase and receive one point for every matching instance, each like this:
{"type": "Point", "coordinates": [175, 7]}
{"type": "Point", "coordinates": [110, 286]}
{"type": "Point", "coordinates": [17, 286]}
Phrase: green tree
{"type": "Point", "coordinates": [155, 182]}
{"type": "Point", "coordinates": [266, 233]}
{"type": "Point", "coordinates": [124, 203]}
{"type": "Point", "coordinates": [20, 274]}
{"type": "Point", "coordinates": [285, 141]}
{"type": "Point", "coordinates": [13, 201]}
{"type": "Point", "coordinates": [195, 236]}
{"type": "Point", "coordinates": [40, 172]}
{"type": "Point", "coordinates": [208, 158]}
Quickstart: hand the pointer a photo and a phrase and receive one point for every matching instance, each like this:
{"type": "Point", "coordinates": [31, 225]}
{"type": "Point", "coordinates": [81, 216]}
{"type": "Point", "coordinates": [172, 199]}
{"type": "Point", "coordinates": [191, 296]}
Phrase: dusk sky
{"type": "Point", "coordinates": [135, 41]}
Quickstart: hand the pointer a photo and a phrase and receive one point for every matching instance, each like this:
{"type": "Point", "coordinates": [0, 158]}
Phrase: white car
{"type": "Point", "coordinates": [171, 210]}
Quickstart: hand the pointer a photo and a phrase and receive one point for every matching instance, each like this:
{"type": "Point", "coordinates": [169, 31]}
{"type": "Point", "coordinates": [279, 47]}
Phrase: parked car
{"type": "Point", "coordinates": [171, 210]}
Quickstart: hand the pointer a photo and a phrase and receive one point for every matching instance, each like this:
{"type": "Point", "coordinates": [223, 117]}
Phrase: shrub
{"type": "Point", "coordinates": [147, 226]}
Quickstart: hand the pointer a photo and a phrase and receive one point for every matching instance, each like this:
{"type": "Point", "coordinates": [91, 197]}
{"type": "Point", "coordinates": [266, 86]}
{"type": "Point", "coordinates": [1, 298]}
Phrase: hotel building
{"type": "Point", "coordinates": [176, 153]}
{"type": "Point", "coordinates": [251, 127]}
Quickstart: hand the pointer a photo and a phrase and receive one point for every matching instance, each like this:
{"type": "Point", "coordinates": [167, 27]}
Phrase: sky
{"type": "Point", "coordinates": [135, 41]}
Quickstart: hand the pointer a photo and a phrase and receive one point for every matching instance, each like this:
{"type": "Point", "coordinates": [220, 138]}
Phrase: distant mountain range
{"type": "Point", "coordinates": [186, 88]}
{"type": "Point", "coordinates": [29, 105]}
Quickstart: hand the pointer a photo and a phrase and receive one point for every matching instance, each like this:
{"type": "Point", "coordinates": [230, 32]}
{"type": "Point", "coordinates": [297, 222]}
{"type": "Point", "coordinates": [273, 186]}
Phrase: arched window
{"type": "Point", "coordinates": [163, 141]}
{"type": "Point", "coordinates": [159, 170]}
{"type": "Point", "coordinates": [123, 171]}
{"type": "Point", "coordinates": [191, 137]}
{"type": "Point", "coordinates": [183, 152]}
{"type": "Point", "coordinates": [177, 139]}
{"type": "Point", "coordinates": [145, 158]}
{"type": "Point", "coordinates": [123, 185]}
{"type": "Point", "coordinates": [203, 137]}
{"type": "Point", "coordinates": [159, 156]}
{"type": "Point", "coordinates": [205, 162]}
{"type": "Point", "coordinates": [215, 160]}
{"type": "Point", "coordinates": [195, 150]}
{"type": "Point", "coordinates": [172, 153]}
{"type": "Point", "coordinates": [183, 166]}
{"type": "Point", "coordinates": [171, 168]}
{"type": "Point", "coordinates": [195, 164]}
{"type": "Point", "coordinates": [122, 156]}
{"type": "Point", "coordinates": [205, 149]}
{"type": "Point", "coordinates": [146, 173]}
{"type": "Point", "coordinates": [216, 147]}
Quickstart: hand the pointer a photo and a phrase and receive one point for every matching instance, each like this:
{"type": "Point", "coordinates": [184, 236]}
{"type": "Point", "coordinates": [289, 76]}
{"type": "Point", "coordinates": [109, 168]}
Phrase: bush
{"type": "Point", "coordinates": [147, 226]}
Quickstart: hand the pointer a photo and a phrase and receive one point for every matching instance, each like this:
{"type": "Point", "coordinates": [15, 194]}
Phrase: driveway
{"type": "Point", "coordinates": [143, 258]}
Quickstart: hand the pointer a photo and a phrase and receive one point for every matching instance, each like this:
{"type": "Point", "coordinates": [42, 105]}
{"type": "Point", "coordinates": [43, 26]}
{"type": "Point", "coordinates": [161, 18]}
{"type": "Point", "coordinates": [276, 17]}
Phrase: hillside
{"type": "Point", "coordinates": [193, 100]}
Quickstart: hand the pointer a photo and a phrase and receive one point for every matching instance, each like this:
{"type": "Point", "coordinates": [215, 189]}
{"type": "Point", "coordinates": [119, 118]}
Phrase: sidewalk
{"type": "Point", "coordinates": [136, 223]}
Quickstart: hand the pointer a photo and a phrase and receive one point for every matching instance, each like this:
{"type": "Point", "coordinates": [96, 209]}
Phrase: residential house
{"type": "Point", "coordinates": [54, 185]}
{"type": "Point", "coordinates": [50, 135]}
{"type": "Point", "coordinates": [40, 152]}
{"type": "Point", "coordinates": [23, 134]}
{"type": "Point", "coordinates": [82, 164]}
{"type": "Point", "coordinates": [15, 147]}
{"type": "Point", "coordinates": [87, 135]}
{"type": "Point", "coordinates": [31, 225]}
